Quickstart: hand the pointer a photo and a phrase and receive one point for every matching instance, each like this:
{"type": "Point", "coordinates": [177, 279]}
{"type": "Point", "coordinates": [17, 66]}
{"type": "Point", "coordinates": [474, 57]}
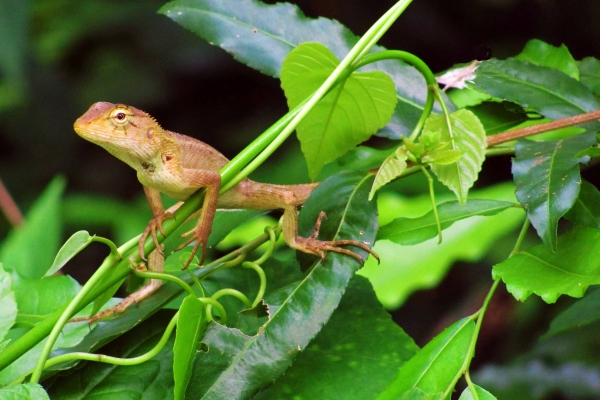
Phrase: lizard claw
{"type": "Point", "coordinates": [154, 225]}
{"type": "Point", "coordinates": [200, 238]}
{"type": "Point", "coordinates": [318, 247]}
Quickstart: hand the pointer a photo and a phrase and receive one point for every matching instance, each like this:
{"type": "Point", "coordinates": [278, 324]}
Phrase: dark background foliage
{"type": "Point", "coordinates": [57, 57]}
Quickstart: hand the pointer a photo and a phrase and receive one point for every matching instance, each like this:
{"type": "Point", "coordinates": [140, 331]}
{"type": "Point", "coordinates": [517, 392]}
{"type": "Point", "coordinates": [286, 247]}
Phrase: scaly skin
{"type": "Point", "coordinates": [178, 166]}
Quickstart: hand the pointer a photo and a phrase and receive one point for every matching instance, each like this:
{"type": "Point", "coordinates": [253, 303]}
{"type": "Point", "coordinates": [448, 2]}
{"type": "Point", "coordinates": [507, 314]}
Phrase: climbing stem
{"type": "Point", "coordinates": [115, 360]}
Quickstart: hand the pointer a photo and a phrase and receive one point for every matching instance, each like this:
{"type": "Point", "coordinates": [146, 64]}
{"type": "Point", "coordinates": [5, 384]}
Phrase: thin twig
{"type": "Point", "coordinates": [9, 207]}
{"type": "Point", "coordinates": [535, 129]}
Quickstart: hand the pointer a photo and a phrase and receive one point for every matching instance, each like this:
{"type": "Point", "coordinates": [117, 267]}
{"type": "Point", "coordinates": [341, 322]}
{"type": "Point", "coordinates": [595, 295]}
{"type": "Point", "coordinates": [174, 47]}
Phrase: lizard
{"type": "Point", "coordinates": [178, 165]}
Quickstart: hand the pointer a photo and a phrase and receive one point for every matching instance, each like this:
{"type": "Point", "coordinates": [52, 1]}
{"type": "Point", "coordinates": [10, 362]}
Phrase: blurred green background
{"type": "Point", "coordinates": [57, 57]}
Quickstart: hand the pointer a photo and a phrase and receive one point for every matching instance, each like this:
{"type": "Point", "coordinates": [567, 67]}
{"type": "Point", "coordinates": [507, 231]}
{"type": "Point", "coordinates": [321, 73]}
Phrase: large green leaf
{"type": "Point", "coordinates": [251, 363]}
{"type": "Point", "coordinates": [545, 90]}
{"type": "Point", "coordinates": [541, 53]}
{"type": "Point", "coordinates": [580, 314]}
{"type": "Point", "coordinates": [589, 71]}
{"type": "Point", "coordinates": [345, 117]}
{"type": "Point", "coordinates": [586, 210]}
{"type": "Point", "coordinates": [30, 249]}
{"type": "Point", "coordinates": [338, 365]}
{"type": "Point", "coordinates": [190, 328]}
{"type": "Point", "coordinates": [438, 365]}
{"type": "Point", "coordinates": [408, 231]}
{"type": "Point", "coordinates": [468, 136]}
{"type": "Point", "coordinates": [569, 270]}
{"type": "Point", "coordinates": [404, 270]}
{"type": "Point", "coordinates": [8, 304]}
{"type": "Point", "coordinates": [261, 35]}
{"type": "Point", "coordinates": [548, 180]}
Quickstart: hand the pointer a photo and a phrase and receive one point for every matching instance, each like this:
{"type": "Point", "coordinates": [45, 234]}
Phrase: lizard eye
{"type": "Point", "coordinates": [120, 115]}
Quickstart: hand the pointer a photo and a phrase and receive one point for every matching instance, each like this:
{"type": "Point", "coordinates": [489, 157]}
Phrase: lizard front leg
{"type": "Point", "coordinates": [212, 182]}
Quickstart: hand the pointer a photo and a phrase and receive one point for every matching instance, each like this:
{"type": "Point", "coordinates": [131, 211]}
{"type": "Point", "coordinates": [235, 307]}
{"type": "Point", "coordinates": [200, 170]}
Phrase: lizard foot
{"type": "Point", "coordinates": [154, 225]}
{"type": "Point", "coordinates": [318, 247]}
{"type": "Point", "coordinates": [120, 308]}
{"type": "Point", "coordinates": [200, 236]}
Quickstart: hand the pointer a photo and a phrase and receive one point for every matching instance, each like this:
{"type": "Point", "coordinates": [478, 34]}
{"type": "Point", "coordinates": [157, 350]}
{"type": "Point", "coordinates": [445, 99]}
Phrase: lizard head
{"type": "Point", "coordinates": [126, 132]}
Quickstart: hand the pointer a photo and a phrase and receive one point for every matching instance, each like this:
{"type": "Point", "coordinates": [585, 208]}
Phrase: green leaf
{"type": "Point", "coordinates": [342, 366]}
{"type": "Point", "coordinates": [586, 210]}
{"type": "Point", "coordinates": [29, 249]}
{"type": "Point", "coordinates": [392, 167]}
{"type": "Point", "coordinates": [27, 391]}
{"type": "Point", "coordinates": [579, 315]}
{"type": "Point", "coordinates": [418, 394]}
{"type": "Point", "coordinates": [543, 54]}
{"type": "Point", "coordinates": [569, 270]}
{"type": "Point", "coordinates": [409, 231]}
{"type": "Point", "coordinates": [77, 242]}
{"type": "Point", "coordinates": [254, 362]}
{"type": "Point", "coordinates": [261, 35]}
{"type": "Point", "coordinates": [480, 394]}
{"type": "Point", "coordinates": [190, 328]}
{"type": "Point", "coordinates": [548, 180]}
{"type": "Point", "coordinates": [468, 136]}
{"type": "Point", "coordinates": [589, 71]}
{"type": "Point", "coordinates": [543, 89]}
{"type": "Point", "coordinates": [8, 304]}
{"type": "Point", "coordinates": [404, 270]}
{"type": "Point", "coordinates": [446, 157]}
{"type": "Point", "coordinates": [438, 365]}
{"type": "Point", "coordinates": [345, 117]}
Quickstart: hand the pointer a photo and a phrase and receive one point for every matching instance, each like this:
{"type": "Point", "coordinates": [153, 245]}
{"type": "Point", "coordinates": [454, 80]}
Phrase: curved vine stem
{"type": "Point", "coordinates": [480, 314]}
{"type": "Point", "coordinates": [116, 360]}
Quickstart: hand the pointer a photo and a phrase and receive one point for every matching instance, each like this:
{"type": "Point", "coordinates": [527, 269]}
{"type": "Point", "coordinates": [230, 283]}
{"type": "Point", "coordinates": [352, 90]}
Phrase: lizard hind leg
{"type": "Point", "coordinates": [318, 247]}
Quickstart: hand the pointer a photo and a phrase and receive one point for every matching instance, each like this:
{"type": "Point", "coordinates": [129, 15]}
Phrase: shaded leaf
{"type": "Point", "coordinates": [480, 394]}
{"type": "Point", "coordinates": [589, 71]}
{"type": "Point", "coordinates": [41, 231]}
{"type": "Point", "coordinates": [409, 231]}
{"type": "Point", "coordinates": [586, 210]}
{"type": "Point", "coordinates": [543, 89]}
{"type": "Point", "coordinates": [569, 270]}
{"type": "Point", "coordinates": [345, 117]}
{"type": "Point", "coordinates": [8, 304]}
{"type": "Point", "coordinates": [261, 35]}
{"type": "Point", "coordinates": [548, 180]}
{"type": "Point", "coordinates": [438, 365]}
{"type": "Point", "coordinates": [543, 54]}
{"type": "Point", "coordinates": [77, 242]}
{"type": "Point", "coordinates": [26, 391]}
{"type": "Point", "coordinates": [337, 364]}
{"type": "Point", "coordinates": [256, 361]}
{"type": "Point", "coordinates": [467, 136]}
{"type": "Point", "coordinates": [495, 118]}
{"type": "Point", "coordinates": [190, 328]}
{"type": "Point", "coordinates": [580, 314]}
